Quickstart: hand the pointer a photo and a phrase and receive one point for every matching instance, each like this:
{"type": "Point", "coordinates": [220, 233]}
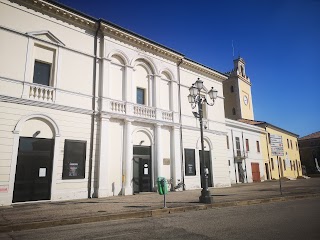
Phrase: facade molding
{"type": "Point", "coordinates": [44, 105]}
{"type": "Point", "coordinates": [40, 116]}
{"type": "Point", "coordinates": [71, 16]}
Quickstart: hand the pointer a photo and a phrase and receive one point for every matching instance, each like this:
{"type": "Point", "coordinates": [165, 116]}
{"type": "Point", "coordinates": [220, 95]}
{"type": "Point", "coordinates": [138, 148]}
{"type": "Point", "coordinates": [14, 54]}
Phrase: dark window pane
{"type": "Point", "coordinates": [74, 159]}
{"type": "Point", "coordinates": [190, 165]}
{"type": "Point", "coordinates": [41, 74]}
{"type": "Point", "coordinates": [140, 96]}
{"type": "Point", "coordinates": [141, 150]}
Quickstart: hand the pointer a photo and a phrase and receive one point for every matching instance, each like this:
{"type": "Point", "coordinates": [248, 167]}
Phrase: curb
{"type": "Point", "coordinates": [146, 213]}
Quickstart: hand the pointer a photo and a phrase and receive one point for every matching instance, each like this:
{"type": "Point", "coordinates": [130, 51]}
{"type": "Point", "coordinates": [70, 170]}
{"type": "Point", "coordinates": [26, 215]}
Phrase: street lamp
{"type": "Point", "coordinates": [196, 99]}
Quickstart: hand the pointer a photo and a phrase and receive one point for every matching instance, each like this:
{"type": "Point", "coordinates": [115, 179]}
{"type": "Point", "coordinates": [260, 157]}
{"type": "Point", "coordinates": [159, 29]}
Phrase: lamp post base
{"type": "Point", "coordinates": [205, 197]}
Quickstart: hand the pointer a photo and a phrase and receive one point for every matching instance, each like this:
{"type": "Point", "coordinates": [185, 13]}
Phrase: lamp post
{"type": "Point", "coordinates": [196, 99]}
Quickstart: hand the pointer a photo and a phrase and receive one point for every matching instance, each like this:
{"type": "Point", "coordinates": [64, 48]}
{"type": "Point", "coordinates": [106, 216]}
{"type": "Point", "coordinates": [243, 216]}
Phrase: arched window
{"type": "Point", "coordinates": [143, 83]}
{"type": "Point", "coordinates": [117, 79]}
{"type": "Point", "coordinates": [242, 71]}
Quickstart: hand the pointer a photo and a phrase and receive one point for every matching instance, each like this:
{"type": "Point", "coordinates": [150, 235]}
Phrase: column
{"type": "Point", "coordinates": [128, 155]}
{"type": "Point", "coordinates": [103, 171]}
{"type": "Point", "coordinates": [151, 91]}
{"type": "Point", "coordinates": [159, 158]}
{"type": "Point", "coordinates": [156, 97]}
{"type": "Point", "coordinates": [129, 97]}
{"type": "Point", "coordinates": [174, 105]}
{"type": "Point", "coordinates": [175, 168]}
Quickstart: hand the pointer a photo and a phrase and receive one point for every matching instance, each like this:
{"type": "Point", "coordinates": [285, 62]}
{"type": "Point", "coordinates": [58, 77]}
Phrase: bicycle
{"type": "Point", "coordinates": [179, 187]}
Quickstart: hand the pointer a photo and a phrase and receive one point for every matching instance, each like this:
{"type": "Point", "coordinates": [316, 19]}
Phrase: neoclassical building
{"type": "Point", "coordinates": [89, 109]}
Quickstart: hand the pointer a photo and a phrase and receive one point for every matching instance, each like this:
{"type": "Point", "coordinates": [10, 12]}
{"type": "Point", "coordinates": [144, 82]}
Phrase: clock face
{"type": "Point", "coordinates": [245, 100]}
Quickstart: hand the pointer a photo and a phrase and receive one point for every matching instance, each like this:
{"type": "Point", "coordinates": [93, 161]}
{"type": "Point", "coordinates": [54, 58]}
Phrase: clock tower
{"type": "Point", "coordinates": [237, 92]}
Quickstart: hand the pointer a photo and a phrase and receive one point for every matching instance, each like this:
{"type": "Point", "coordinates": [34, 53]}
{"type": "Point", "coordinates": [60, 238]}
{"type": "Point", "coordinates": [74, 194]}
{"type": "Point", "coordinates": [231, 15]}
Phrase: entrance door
{"type": "Point", "coordinates": [267, 171]}
{"type": "Point", "coordinates": [255, 172]}
{"type": "Point", "coordinates": [207, 160]}
{"type": "Point", "coordinates": [241, 172]}
{"type": "Point", "coordinates": [142, 171]}
{"type": "Point", "coordinates": [33, 170]}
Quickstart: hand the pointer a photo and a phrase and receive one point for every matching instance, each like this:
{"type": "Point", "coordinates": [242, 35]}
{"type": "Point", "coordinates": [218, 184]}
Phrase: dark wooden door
{"type": "Point", "coordinates": [255, 172]}
{"type": "Point", "coordinates": [34, 170]}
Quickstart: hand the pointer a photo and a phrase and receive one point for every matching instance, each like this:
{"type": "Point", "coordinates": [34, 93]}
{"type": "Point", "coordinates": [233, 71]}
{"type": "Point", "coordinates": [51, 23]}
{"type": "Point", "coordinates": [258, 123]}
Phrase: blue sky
{"type": "Point", "coordinates": [278, 39]}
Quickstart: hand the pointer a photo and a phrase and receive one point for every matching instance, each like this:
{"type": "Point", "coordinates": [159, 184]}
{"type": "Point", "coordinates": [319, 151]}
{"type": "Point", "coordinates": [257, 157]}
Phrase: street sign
{"type": "Point", "coordinates": [276, 145]}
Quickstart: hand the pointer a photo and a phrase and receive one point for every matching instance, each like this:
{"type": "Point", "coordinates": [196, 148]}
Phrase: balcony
{"type": "Point", "coordinates": [40, 92]}
{"type": "Point", "coordinates": [240, 155]}
{"type": "Point", "coordinates": [137, 110]}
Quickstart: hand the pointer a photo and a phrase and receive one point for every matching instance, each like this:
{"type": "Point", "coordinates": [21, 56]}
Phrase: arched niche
{"type": "Point", "coordinates": [142, 137]}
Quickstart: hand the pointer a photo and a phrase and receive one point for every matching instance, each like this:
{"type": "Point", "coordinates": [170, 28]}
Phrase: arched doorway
{"type": "Point", "coordinates": [34, 162]}
{"type": "Point", "coordinates": [142, 162]}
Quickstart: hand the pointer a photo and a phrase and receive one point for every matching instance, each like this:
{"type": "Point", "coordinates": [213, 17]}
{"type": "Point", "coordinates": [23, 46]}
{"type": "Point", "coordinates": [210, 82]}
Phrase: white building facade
{"type": "Point", "coordinates": [245, 152]}
{"type": "Point", "coordinates": [89, 109]}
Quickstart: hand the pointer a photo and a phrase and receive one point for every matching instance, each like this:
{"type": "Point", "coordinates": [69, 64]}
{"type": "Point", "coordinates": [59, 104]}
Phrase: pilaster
{"type": "Point", "coordinates": [128, 156]}
{"type": "Point", "coordinates": [159, 157]}
{"type": "Point", "coordinates": [103, 174]}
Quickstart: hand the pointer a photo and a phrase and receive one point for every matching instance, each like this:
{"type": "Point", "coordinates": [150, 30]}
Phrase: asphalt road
{"type": "Point", "coordinates": [298, 219]}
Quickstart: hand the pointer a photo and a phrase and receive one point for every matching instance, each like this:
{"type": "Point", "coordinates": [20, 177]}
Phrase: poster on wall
{"type": "Point", "coordinates": [73, 169]}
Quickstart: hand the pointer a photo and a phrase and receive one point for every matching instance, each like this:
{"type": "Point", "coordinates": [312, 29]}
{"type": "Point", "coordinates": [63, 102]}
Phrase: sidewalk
{"type": "Point", "coordinates": [47, 214]}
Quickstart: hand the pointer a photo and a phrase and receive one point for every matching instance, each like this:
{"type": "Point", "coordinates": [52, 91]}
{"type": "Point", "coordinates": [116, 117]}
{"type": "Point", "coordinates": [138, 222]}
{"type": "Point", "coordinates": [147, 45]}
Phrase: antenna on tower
{"type": "Point", "coordinates": [232, 49]}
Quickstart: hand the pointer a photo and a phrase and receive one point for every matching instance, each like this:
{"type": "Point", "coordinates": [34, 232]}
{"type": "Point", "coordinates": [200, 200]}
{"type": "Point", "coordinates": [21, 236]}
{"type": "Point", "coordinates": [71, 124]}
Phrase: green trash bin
{"type": "Point", "coordinates": [162, 185]}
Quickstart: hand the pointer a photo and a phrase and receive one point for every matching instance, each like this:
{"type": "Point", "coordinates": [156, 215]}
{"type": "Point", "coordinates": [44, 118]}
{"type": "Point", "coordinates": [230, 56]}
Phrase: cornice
{"type": "Point", "coordinates": [244, 80]}
{"type": "Point", "coordinates": [236, 124]}
{"type": "Point", "coordinates": [44, 105]}
{"type": "Point", "coordinates": [203, 69]}
{"type": "Point", "coordinates": [140, 42]}
{"type": "Point", "coordinates": [62, 12]}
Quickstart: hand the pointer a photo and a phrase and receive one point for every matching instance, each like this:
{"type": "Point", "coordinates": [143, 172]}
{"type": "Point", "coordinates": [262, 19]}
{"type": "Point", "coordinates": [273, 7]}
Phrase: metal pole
{"type": "Point", "coordinates": [278, 162]}
{"type": "Point", "coordinates": [205, 193]}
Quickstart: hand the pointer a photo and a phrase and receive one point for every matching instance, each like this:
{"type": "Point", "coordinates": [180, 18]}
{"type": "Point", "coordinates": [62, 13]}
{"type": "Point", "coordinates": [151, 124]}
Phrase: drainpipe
{"type": "Point", "coordinates": [245, 162]}
{"type": "Point", "coordinates": [93, 110]}
{"type": "Point", "coordinates": [234, 156]}
{"type": "Point", "coordinates": [180, 122]}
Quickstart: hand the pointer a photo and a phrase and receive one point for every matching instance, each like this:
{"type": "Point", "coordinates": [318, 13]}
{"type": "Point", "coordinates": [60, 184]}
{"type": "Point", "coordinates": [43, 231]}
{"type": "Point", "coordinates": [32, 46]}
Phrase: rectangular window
{"type": "Point", "coordinates": [74, 159]}
{"type": "Point", "coordinates": [229, 162]}
{"type": "Point", "coordinates": [190, 163]}
{"type": "Point", "coordinates": [284, 165]}
{"type": "Point", "coordinates": [238, 147]}
{"type": "Point", "coordinates": [42, 73]}
{"type": "Point", "coordinates": [258, 146]}
{"type": "Point", "coordinates": [272, 164]}
{"type": "Point", "coordinates": [228, 142]}
{"type": "Point", "coordinates": [140, 96]}
{"type": "Point", "coordinates": [247, 145]}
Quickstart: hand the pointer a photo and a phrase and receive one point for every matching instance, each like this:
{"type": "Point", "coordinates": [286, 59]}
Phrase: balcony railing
{"type": "Point", "coordinates": [126, 108]}
{"type": "Point", "coordinates": [240, 155]}
{"type": "Point", "coordinates": [144, 111]}
{"type": "Point", "coordinates": [118, 106]}
{"type": "Point", "coordinates": [41, 93]}
{"type": "Point", "coordinates": [167, 116]}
